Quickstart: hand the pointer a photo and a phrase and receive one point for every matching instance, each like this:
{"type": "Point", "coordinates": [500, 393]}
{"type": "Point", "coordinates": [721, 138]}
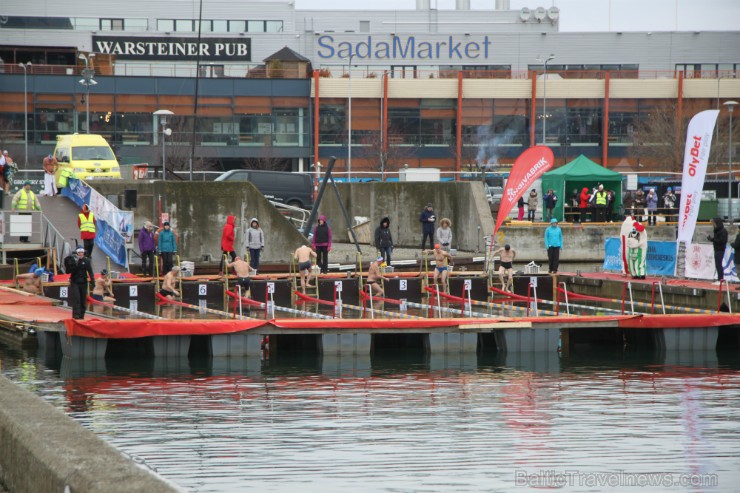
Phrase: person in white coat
{"type": "Point", "coordinates": [624, 233]}
{"type": "Point", "coordinates": [637, 243]}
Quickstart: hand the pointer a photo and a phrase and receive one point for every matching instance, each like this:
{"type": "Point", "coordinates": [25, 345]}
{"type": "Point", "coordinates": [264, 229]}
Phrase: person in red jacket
{"type": "Point", "coordinates": [88, 227]}
{"type": "Point", "coordinates": [583, 206]}
{"type": "Point", "coordinates": [227, 241]}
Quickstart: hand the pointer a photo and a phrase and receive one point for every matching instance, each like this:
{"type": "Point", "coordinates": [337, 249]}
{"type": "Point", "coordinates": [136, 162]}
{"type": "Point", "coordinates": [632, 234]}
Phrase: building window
{"type": "Point", "coordinates": [184, 25]}
{"type": "Point", "coordinates": [86, 23]}
{"type": "Point", "coordinates": [165, 25]}
{"type": "Point", "coordinates": [220, 26]}
{"type": "Point", "coordinates": [237, 26]}
{"type": "Point", "coordinates": [364, 26]}
{"type": "Point", "coordinates": [111, 24]}
{"type": "Point", "coordinates": [256, 26]}
{"type": "Point", "coordinates": [273, 26]}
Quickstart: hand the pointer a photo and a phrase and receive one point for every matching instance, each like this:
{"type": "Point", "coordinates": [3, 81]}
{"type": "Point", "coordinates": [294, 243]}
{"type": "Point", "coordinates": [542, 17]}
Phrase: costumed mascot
{"type": "Point", "coordinates": [624, 233]}
{"type": "Point", "coordinates": [637, 243]}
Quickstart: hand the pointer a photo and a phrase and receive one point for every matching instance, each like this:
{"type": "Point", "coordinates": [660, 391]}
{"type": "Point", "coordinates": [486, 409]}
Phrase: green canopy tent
{"type": "Point", "coordinates": [577, 174]}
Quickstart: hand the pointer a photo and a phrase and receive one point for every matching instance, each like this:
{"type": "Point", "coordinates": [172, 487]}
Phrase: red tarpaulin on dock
{"type": "Point", "coordinates": [131, 329]}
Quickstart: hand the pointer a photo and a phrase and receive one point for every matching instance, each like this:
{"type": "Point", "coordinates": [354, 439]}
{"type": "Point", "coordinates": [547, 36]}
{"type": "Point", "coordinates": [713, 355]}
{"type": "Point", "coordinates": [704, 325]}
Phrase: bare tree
{"type": "Point", "coordinates": [179, 146]}
{"type": "Point", "coordinates": [267, 161]}
{"type": "Point", "coordinates": [655, 138]}
{"type": "Point", "coordinates": [388, 158]}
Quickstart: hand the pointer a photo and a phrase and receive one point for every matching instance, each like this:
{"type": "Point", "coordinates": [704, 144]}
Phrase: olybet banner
{"type": "Point", "coordinates": [698, 144]}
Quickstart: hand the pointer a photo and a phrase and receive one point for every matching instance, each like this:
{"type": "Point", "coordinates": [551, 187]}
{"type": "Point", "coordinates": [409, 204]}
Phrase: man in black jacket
{"type": "Point", "coordinates": [80, 272]}
{"type": "Point", "coordinates": [427, 219]}
{"type": "Point", "coordinates": [719, 242]}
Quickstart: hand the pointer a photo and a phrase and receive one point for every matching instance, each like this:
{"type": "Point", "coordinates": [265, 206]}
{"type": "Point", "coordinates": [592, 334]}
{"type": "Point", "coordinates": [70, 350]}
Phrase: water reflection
{"type": "Point", "coordinates": [405, 421]}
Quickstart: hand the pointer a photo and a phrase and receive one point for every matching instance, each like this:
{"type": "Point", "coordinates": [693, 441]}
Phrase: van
{"type": "Point", "coordinates": [88, 155]}
{"type": "Point", "coordinates": [294, 189]}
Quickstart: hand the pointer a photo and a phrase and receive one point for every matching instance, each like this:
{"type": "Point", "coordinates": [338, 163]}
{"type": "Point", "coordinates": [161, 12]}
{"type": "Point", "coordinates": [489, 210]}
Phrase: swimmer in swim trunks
{"type": "Point", "coordinates": [443, 260]}
{"type": "Point", "coordinates": [303, 255]}
{"type": "Point", "coordinates": [243, 272]}
{"type": "Point", "coordinates": [103, 284]}
{"type": "Point", "coordinates": [168, 285]}
{"type": "Point", "coordinates": [506, 269]}
{"type": "Point", "coordinates": [374, 276]}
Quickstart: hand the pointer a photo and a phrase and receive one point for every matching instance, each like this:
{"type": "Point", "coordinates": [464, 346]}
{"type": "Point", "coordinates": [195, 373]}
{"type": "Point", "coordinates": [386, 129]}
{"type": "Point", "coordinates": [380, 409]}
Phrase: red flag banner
{"type": "Point", "coordinates": [530, 165]}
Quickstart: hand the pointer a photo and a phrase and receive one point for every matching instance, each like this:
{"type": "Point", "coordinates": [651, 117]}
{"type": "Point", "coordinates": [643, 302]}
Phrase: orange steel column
{"type": "Point", "coordinates": [384, 127]}
{"type": "Point", "coordinates": [458, 163]}
{"type": "Point", "coordinates": [605, 132]}
{"type": "Point", "coordinates": [316, 131]}
{"type": "Point", "coordinates": [679, 113]}
{"type": "Point", "coordinates": [533, 112]}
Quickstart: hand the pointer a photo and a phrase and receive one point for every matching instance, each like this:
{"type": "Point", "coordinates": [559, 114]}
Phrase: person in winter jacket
{"type": "Point", "coordinates": [553, 244]}
{"type": "Point", "coordinates": [550, 201]}
{"type": "Point", "coordinates": [87, 223]}
{"type": "Point", "coordinates": [167, 246]}
{"type": "Point", "coordinates": [719, 242]}
{"type": "Point", "coordinates": [639, 205]}
{"type": "Point", "coordinates": [384, 240]}
{"type": "Point", "coordinates": [427, 218]}
{"type": "Point", "coordinates": [637, 246]}
{"type": "Point", "coordinates": [736, 246]}
{"type": "Point", "coordinates": [532, 201]}
{"type": "Point", "coordinates": [520, 206]}
{"type": "Point", "coordinates": [255, 242]}
{"type": "Point", "coordinates": [227, 241]}
{"type": "Point", "coordinates": [652, 206]}
{"type": "Point", "coordinates": [669, 204]}
{"type": "Point", "coordinates": [147, 246]}
{"type": "Point", "coordinates": [322, 244]}
{"type": "Point", "coordinates": [625, 231]}
{"type": "Point", "coordinates": [444, 234]}
{"type": "Point", "coordinates": [583, 205]}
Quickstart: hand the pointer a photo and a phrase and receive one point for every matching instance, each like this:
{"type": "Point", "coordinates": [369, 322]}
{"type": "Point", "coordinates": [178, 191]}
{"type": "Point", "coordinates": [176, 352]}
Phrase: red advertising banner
{"type": "Point", "coordinates": [530, 165]}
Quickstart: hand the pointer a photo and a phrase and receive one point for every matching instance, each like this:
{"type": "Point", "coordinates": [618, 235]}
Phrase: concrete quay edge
{"type": "Point", "coordinates": [44, 450]}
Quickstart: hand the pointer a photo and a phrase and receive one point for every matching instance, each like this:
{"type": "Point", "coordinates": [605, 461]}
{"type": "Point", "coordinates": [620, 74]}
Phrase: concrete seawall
{"type": "Point", "coordinates": [43, 450]}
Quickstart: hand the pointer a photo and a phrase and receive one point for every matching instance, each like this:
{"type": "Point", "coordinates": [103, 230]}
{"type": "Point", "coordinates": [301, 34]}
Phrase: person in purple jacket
{"type": "Point", "coordinates": [147, 246]}
{"type": "Point", "coordinates": [322, 244]}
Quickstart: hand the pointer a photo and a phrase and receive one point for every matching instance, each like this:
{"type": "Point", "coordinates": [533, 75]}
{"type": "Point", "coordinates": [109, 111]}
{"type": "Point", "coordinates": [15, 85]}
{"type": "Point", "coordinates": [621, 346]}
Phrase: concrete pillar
{"type": "Point", "coordinates": [453, 342]}
{"type": "Point", "coordinates": [682, 339]}
{"type": "Point", "coordinates": [345, 344]}
{"type": "Point", "coordinates": [239, 344]}
{"type": "Point", "coordinates": [527, 340]}
{"type": "Point", "coordinates": [167, 346]}
{"type": "Point", "coordinates": [82, 347]}
{"type": "Point", "coordinates": [341, 365]}
{"type": "Point", "coordinates": [49, 344]}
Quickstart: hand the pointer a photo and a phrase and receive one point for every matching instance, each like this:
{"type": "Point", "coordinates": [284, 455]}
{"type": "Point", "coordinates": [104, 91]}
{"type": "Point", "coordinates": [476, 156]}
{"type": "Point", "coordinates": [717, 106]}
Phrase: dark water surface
{"type": "Point", "coordinates": [598, 421]}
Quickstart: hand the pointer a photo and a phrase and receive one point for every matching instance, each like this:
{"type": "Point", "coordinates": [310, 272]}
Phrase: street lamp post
{"type": "Point", "coordinates": [87, 81]}
{"type": "Point", "coordinates": [730, 106]}
{"type": "Point", "coordinates": [716, 127]}
{"type": "Point", "coordinates": [349, 122]}
{"type": "Point", "coordinates": [544, 99]}
{"type": "Point", "coordinates": [25, 67]}
{"type": "Point", "coordinates": [163, 114]}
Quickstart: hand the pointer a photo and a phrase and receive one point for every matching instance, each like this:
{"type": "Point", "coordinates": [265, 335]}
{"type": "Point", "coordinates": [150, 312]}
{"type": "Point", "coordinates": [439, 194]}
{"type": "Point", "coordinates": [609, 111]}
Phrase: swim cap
{"type": "Point", "coordinates": [104, 272]}
{"type": "Point", "coordinates": [38, 272]}
{"type": "Point", "coordinates": [379, 259]}
{"type": "Point", "coordinates": [80, 249]}
{"type": "Point", "coordinates": [507, 247]}
{"type": "Point", "coordinates": [437, 246]}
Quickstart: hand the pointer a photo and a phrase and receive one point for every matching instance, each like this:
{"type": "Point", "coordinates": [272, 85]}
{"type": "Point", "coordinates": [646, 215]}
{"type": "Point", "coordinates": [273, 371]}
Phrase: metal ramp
{"type": "Point", "coordinates": [60, 231]}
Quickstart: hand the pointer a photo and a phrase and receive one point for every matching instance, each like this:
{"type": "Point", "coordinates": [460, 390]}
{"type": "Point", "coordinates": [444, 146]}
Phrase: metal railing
{"type": "Point", "coordinates": [53, 240]}
{"type": "Point", "coordinates": [297, 216]}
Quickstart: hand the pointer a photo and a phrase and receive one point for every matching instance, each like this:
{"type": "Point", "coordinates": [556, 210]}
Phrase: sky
{"type": "Point", "coordinates": [589, 15]}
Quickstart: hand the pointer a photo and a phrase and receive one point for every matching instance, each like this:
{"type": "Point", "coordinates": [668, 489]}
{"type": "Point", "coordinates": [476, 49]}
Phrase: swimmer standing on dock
{"type": "Point", "coordinates": [243, 271]}
{"type": "Point", "coordinates": [506, 269]}
{"type": "Point", "coordinates": [443, 260]}
{"type": "Point", "coordinates": [168, 289]}
{"type": "Point", "coordinates": [303, 255]}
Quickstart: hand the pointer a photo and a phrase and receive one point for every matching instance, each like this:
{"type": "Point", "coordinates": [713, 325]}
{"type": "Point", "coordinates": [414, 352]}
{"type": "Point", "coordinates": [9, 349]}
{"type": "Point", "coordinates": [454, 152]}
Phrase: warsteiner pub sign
{"type": "Point", "coordinates": [174, 48]}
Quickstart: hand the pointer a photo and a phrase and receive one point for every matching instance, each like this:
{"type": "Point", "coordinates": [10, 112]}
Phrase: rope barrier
{"type": "Point", "coordinates": [201, 309]}
{"type": "Point", "coordinates": [131, 311]}
{"type": "Point", "coordinates": [259, 304]}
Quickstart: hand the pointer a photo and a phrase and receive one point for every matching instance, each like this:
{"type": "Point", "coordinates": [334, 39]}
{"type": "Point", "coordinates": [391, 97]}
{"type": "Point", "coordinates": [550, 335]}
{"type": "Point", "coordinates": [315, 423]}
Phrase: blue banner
{"type": "Point", "coordinates": [661, 257]}
{"type": "Point", "coordinates": [107, 237]}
